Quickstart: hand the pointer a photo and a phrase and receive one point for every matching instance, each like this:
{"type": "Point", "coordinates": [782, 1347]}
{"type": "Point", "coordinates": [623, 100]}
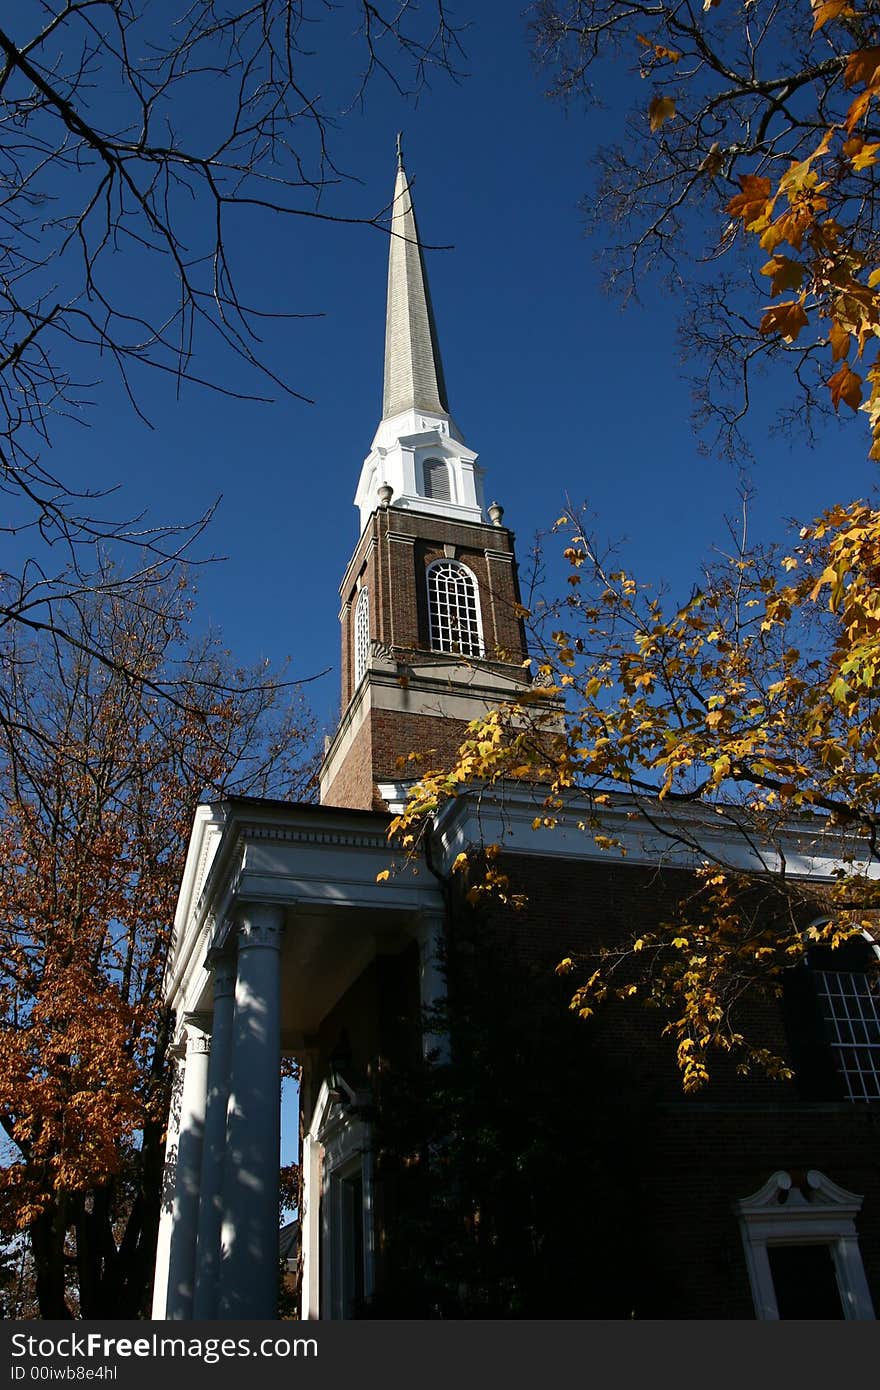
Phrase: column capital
{"type": "Point", "coordinates": [221, 964]}
{"type": "Point", "coordinates": [259, 924]}
{"type": "Point", "coordinates": [197, 1028]}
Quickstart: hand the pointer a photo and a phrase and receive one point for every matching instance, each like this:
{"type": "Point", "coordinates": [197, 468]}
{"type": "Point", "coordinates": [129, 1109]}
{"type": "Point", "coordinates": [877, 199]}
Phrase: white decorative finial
{"type": "Point", "coordinates": [400, 149]}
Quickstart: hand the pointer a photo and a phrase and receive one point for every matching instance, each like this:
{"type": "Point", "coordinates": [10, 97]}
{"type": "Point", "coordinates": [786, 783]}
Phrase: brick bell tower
{"type": "Point", "coordinates": [431, 635]}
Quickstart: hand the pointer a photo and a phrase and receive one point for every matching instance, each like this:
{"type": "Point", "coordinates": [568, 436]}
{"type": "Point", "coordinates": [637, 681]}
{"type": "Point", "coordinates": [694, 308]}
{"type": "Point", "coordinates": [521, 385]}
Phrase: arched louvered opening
{"type": "Point", "coordinates": [454, 609]}
{"type": "Point", "coordinates": [361, 635]}
{"type": "Point", "coordinates": [437, 480]}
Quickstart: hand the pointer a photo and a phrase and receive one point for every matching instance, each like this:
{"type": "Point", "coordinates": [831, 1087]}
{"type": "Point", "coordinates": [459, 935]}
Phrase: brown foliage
{"type": "Point", "coordinates": [101, 766]}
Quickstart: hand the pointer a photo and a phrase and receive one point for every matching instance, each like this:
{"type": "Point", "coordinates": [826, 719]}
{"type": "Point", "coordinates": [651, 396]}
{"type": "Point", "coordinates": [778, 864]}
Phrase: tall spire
{"type": "Point", "coordinates": [413, 369]}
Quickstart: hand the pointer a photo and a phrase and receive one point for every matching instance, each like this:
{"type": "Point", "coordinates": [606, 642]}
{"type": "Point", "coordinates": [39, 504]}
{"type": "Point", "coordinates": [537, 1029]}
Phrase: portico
{"type": "Point", "coordinates": [280, 914]}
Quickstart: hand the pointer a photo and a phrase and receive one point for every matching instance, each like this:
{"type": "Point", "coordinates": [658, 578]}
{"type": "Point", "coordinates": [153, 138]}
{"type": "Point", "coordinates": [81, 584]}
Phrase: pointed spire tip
{"type": "Point", "coordinates": [400, 149]}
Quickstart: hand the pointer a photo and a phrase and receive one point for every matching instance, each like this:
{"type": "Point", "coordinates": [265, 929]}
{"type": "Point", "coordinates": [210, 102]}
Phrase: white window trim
{"type": "Point", "coordinates": [779, 1213]}
{"type": "Point", "coordinates": [361, 635]}
{"type": "Point", "coordinates": [459, 564]}
{"type": "Point", "coordinates": [336, 1144]}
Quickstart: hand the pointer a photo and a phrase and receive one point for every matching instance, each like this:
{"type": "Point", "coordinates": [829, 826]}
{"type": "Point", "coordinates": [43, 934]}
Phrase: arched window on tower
{"type": "Point", "coordinates": [832, 1015]}
{"type": "Point", "coordinates": [361, 635]}
{"type": "Point", "coordinates": [454, 609]}
{"type": "Point", "coordinates": [438, 483]}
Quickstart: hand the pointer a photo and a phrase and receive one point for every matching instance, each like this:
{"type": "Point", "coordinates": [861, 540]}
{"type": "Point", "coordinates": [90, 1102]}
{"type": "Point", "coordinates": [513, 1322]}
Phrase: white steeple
{"type": "Point", "coordinates": [418, 450]}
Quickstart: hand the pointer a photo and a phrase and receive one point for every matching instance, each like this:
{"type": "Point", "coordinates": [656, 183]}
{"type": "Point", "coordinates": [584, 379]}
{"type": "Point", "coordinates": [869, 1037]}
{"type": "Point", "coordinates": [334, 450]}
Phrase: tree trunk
{"type": "Point", "coordinates": [47, 1242]}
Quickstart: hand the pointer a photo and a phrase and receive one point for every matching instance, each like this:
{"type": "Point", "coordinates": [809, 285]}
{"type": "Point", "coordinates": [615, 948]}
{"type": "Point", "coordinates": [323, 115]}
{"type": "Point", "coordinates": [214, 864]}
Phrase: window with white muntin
{"type": "Point", "coordinates": [848, 992]}
{"type": "Point", "coordinates": [361, 635]}
{"type": "Point", "coordinates": [832, 1010]}
{"type": "Point", "coordinates": [454, 609]}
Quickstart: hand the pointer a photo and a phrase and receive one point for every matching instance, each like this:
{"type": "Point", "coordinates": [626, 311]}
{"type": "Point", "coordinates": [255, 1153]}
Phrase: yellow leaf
{"type": "Point", "coordinates": [866, 156]}
{"type": "Point", "coordinates": [382, 875]}
{"type": "Point", "coordinates": [461, 862]}
{"type": "Point", "coordinates": [660, 110]}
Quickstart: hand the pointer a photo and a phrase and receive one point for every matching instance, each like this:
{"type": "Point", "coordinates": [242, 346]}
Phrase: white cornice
{"type": "Point", "coordinates": [676, 835]}
{"type": "Point", "coordinates": [317, 859]}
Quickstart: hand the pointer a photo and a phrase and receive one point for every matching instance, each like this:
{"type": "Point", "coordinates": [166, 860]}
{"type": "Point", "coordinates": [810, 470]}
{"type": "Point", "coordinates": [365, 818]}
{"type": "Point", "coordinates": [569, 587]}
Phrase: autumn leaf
{"type": "Point", "coordinates": [862, 67]}
{"type": "Point", "coordinates": [859, 107]}
{"type": "Point", "coordinates": [838, 338]}
{"type": "Point", "coordinates": [845, 385]}
{"type": "Point", "coordinates": [826, 10]}
{"type": "Point", "coordinates": [785, 319]}
{"type": "Point", "coordinates": [866, 157]}
{"type": "Point", "coordinates": [752, 204]}
{"type": "Point", "coordinates": [660, 110]}
{"type": "Point", "coordinates": [786, 274]}
{"type": "Point", "coordinates": [660, 51]}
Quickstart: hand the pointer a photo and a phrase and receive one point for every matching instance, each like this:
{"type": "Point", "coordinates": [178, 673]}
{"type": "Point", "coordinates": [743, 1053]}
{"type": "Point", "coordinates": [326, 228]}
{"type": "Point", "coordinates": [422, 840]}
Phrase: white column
{"type": "Point", "coordinates": [214, 1146]}
{"type": "Point", "coordinates": [187, 1180]}
{"type": "Point", "coordinates": [249, 1236]}
{"type": "Point", "coordinates": [310, 1229]}
{"type": "Point", "coordinates": [166, 1214]}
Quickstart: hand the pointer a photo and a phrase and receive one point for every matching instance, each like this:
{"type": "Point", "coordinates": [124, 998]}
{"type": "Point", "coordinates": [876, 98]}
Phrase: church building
{"type": "Point", "coordinates": [469, 1147]}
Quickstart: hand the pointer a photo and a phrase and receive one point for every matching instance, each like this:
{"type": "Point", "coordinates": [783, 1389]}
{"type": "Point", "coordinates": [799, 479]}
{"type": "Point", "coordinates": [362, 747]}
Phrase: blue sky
{"type": "Point", "coordinates": [559, 389]}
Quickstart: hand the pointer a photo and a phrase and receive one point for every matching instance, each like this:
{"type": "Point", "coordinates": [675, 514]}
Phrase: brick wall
{"type": "Point", "coordinates": [700, 1154]}
{"type": "Point", "coordinates": [391, 558]}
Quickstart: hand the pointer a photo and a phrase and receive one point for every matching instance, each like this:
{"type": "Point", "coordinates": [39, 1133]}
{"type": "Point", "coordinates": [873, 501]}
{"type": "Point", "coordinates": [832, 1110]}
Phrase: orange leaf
{"type": "Point", "coordinates": [786, 319]}
{"type": "Point", "coordinates": [838, 337]}
{"type": "Point", "coordinates": [660, 110]}
{"type": "Point", "coordinates": [671, 55]}
{"type": "Point", "coordinates": [752, 204]}
{"type": "Point", "coordinates": [787, 274]}
{"type": "Point", "coordinates": [845, 385]}
{"type": "Point", "coordinates": [862, 67]}
{"type": "Point", "coordinates": [825, 10]}
{"type": "Point", "coordinates": [859, 107]}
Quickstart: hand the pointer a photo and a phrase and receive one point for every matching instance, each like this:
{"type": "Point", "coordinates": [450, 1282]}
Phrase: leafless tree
{"type": "Point", "coordinates": [751, 90]}
{"type": "Point", "coordinates": [131, 134]}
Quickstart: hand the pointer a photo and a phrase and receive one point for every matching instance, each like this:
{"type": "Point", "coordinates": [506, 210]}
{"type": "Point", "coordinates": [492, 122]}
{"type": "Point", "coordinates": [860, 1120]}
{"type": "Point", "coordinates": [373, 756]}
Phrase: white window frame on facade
{"type": "Point", "coordinates": [361, 635]}
{"type": "Point", "coordinates": [783, 1213]}
{"type": "Point", "coordinates": [446, 609]}
{"type": "Point", "coordinates": [844, 1013]}
{"type": "Point", "coordinates": [337, 1146]}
